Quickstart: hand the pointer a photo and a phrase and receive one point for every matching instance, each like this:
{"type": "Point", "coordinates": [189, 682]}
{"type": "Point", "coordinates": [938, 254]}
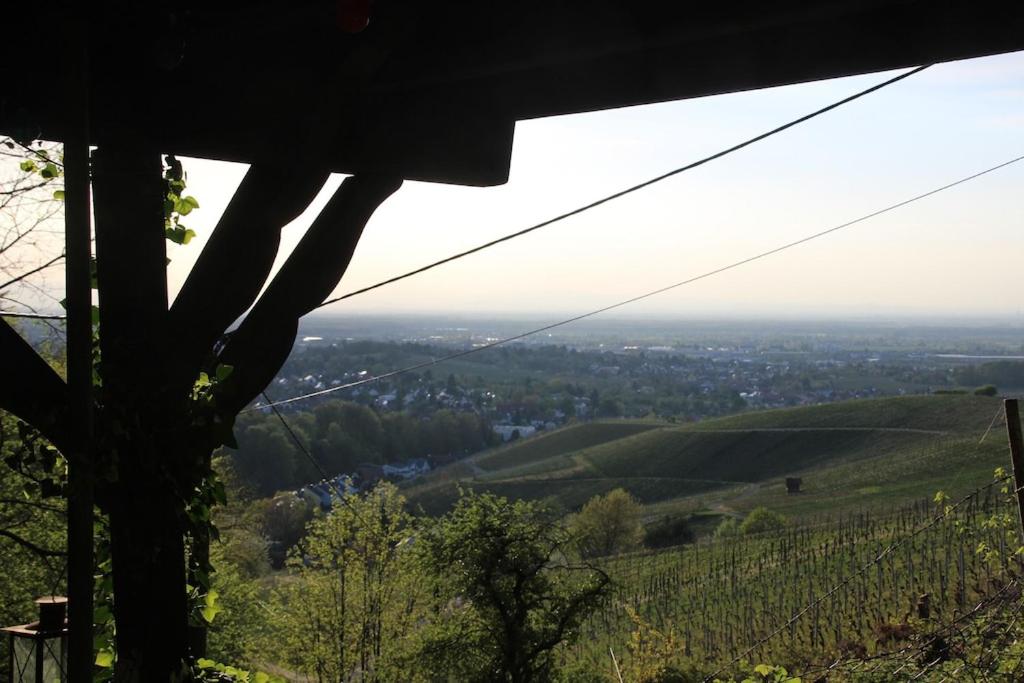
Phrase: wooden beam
{"type": "Point", "coordinates": [31, 390]}
{"type": "Point", "coordinates": [236, 261]}
{"type": "Point", "coordinates": [78, 287]}
{"type": "Point", "coordinates": [264, 339]}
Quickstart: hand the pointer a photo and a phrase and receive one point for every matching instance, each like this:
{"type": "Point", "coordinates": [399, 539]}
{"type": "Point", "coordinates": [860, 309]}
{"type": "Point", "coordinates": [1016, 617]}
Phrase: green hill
{"type": "Point", "coordinates": [570, 439]}
{"type": "Point", "coordinates": [849, 454]}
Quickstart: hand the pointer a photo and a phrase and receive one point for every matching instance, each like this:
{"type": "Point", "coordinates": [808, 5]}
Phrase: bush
{"type": "Point", "coordinates": [762, 520]}
{"type": "Point", "coordinates": [504, 602]}
{"type": "Point", "coordinates": [727, 528]}
{"type": "Point", "coordinates": [668, 531]}
{"type": "Point", "coordinates": [608, 525]}
{"type": "Point", "coordinates": [986, 390]}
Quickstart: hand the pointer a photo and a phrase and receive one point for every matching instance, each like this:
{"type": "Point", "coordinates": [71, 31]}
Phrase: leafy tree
{"type": "Point", "coordinates": [504, 596]}
{"type": "Point", "coordinates": [266, 458]}
{"type": "Point", "coordinates": [762, 520]}
{"type": "Point", "coordinates": [351, 604]}
{"type": "Point", "coordinates": [282, 521]}
{"type": "Point", "coordinates": [609, 525]}
{"type": "Point", "coordinates": [610, 407]}
{"type": "Point", "coordinates": [32, 525]}
{"type": "Point", "coordinates": [668, 531]}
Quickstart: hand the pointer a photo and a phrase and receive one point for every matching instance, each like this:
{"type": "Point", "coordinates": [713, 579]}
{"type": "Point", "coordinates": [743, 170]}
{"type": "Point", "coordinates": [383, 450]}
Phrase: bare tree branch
{"type": "Point", "coordinates": [43, 552]}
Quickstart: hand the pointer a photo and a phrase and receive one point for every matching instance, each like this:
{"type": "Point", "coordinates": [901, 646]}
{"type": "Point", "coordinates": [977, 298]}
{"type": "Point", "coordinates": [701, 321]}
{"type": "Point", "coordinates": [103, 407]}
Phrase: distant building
{"type": "Point", "coordinates": [507, 432]}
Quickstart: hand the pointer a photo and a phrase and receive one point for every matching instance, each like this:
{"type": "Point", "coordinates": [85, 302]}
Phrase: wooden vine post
{"type": "Point", "coordinates": [1016, 453]}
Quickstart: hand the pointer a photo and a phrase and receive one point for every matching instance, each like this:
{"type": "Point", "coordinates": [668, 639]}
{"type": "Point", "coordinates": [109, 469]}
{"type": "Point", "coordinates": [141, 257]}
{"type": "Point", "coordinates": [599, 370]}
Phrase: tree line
{"type": "Point", "coordinates": [342, 435]}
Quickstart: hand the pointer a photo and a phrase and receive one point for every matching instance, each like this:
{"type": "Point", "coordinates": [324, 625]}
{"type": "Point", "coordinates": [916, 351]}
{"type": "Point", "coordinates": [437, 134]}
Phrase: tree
{"type": "Point", "coordinates": [352, 603]}
{"type": "Point", "coordinates": [172, 381]}
{"type": "Point", "coordinates": [608, 525]}
{"type": "Point", "coordinates": [609, 407]}
{"type": "Point", "coordinates": [762, 520]}
{"type": "Point", "coordinates": [31, 190]}
{"type": "Point", "coordinates": [32, 524]}
{"type": "Point", "coordinates": [504, 595]}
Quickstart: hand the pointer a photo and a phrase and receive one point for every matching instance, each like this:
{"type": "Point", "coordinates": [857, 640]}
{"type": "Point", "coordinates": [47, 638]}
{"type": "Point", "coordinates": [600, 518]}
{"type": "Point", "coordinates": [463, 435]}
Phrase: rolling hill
{"type": "Point", "coordinates": [851, 454]}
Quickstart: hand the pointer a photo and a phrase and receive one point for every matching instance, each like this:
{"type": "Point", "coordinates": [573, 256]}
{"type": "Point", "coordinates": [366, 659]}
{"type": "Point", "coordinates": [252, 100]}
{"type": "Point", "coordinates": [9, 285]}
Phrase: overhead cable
{"type": "Point", "coordinates": [629, 190]}
{"type": "Point", "coordinates": [660, 290]}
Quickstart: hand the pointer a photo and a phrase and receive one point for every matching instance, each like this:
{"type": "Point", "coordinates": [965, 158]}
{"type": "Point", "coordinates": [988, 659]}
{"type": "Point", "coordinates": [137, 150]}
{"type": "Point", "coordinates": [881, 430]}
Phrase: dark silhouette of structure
{"type": "Point", "coordinates": [386, 91]}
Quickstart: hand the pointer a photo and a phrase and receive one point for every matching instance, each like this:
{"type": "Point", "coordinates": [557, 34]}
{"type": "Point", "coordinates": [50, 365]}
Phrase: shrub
{"type": "Point", "coordinates": [668, 531]}
{"type": "Point", "coordinates": [727, 528]}
{"type": "Point", "coordinates": [762, 520]}
{"type": "Point", "coordinates": [608, 525]}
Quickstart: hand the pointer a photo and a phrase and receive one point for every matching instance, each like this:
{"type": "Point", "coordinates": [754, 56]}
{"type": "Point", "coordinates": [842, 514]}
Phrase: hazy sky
{"type": "Point", "coordinates": [958, 253]}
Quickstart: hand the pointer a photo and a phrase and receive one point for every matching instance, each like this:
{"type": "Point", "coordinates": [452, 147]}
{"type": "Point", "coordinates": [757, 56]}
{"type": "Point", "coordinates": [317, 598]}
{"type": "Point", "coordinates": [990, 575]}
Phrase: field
{"type": "Point", "coordinates": [840, 589]}
{"type": "Point", "coordinates": [845, 591]}
{"type": "Point", "coordinates": [851, 455]}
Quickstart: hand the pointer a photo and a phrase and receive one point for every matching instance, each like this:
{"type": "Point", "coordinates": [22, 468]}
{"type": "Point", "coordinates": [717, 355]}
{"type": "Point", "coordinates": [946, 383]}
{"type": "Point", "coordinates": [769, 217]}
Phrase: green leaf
{"type": "Point", "coordinates": [105, 659]}
{"type": "Point", "coordinates": [187, 236]}
{"type": "Point", "coordinates": [58, 195]}
{"type": "Point", "coordinates": [49, 171]}
{"type": "Point", "coordinates": [191, 201]}
{"type": "Point", "coordinates": [28, 166]}
{"type": "Point", "coordinates": [204, 663]}
{"type": "Point", "coordinates": [224, 371]}
{"type": "Point", "coordinates": [182, 208]}
{"type": "Point", "coordinates": [763, 669]}
{"type": "Point", "coordinates": [212, 609]}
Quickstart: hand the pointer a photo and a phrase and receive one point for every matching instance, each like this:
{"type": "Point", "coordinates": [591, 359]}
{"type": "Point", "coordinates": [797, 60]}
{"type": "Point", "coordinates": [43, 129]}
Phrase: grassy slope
{"type": "Point", "coordinates": [873, 452]}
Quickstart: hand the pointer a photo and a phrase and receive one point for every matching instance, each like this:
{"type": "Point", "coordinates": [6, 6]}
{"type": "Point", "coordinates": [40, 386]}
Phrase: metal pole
{"type": "Point", "coordinates": [78, 284]}
{"type": "Point", "coordinates": [1016, 453]}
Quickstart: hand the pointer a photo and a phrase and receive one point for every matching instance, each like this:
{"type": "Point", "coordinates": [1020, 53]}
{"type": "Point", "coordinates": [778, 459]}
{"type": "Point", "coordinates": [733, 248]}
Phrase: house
{"type": "Point", "coordinates": [508, 432]}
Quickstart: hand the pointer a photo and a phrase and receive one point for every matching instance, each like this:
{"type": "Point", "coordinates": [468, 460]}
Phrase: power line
{"type": "Point", "coordinates": [32, 316]}
{"type": "Point", "coordinates": [629, 190]}
{"type": "Point", "coordinates": [660, 290]}
{"type": "Point", "coordinates": [593, 204]}
{"type": "Point", "coordinates": [327, 479]}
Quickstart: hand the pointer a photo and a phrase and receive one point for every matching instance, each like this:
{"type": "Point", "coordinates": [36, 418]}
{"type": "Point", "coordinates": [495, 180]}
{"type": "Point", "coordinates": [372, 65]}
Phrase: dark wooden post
{"type": "Point", "coordinates": [78, 287]}
{"type": "Point", "coordinates": [1016, 453]}
{"type": "Point", "coordinates": [146, 542]}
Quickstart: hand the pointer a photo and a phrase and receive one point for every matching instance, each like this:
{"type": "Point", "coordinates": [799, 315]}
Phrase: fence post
{"type": "Point", "coordinates": [1016, 453]}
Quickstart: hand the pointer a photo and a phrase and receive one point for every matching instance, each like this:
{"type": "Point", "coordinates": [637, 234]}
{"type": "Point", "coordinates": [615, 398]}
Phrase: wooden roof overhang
{"type": "Point", "coordinates": [432, 90]}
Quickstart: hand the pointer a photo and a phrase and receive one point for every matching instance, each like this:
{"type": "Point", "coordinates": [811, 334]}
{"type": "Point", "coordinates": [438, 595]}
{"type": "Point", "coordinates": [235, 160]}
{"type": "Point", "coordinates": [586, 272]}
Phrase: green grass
{"type": "Point", "coordinates": [570, 439]}
{"type": "Point", "coordinates": [850, 455]}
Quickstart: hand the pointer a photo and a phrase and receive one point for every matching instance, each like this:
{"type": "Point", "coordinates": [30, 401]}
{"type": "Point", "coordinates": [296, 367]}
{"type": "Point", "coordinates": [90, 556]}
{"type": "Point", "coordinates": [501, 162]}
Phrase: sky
{"type": "Point", "coordinates": [957, 254]}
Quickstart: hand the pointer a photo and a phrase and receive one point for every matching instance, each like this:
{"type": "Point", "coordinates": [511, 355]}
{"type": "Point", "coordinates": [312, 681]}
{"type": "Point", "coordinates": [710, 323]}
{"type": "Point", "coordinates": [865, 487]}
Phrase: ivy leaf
{"type": "Point", "coordinates": [212, 609]}
{"type": "Point", "coordinates": [105, 659]}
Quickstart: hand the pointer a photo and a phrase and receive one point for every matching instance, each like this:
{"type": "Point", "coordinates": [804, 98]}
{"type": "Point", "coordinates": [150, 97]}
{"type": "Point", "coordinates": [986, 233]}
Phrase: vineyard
{"type": "Point", "coordinates": [862, 587]}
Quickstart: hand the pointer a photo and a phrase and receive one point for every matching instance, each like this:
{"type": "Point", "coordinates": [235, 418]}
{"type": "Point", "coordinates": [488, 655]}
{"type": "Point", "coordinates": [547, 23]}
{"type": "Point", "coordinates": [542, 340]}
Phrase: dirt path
{"type": "Point", "coordinates": [723, 509]}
